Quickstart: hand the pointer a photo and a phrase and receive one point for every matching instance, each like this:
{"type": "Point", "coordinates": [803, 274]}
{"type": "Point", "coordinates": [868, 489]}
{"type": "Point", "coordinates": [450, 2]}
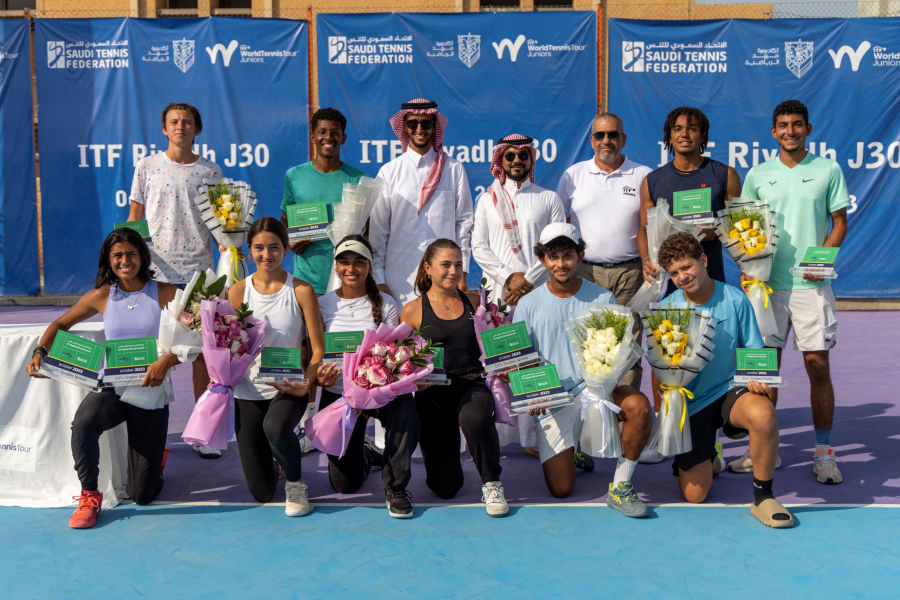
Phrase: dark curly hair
{"type": "Point", "coordinates": [691, 113]}
{"type": "Point", "coordinates": [556, 245]}
{"type": "Point", "coordinates": [790, 107]}
{"type": "Point", "coordinates": [372, 291]}
{"type": "Point", "coordinates": [678, 246]}
{"type": "Point", "coordinates": [195, 112]}
{"type": "Point", "coordinates": [327, 114]}
{"type": "Point", "coordinates": [105, 275]}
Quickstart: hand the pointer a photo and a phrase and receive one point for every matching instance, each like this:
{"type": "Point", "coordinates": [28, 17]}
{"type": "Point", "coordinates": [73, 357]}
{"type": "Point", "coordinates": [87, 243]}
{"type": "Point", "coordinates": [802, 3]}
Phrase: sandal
{"type": "Point", "coordinates": [772, 513]}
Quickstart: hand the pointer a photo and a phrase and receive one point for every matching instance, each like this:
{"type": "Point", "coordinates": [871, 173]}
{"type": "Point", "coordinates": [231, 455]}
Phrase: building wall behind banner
{"type": "Point", "coordinates": [847, 72]}
{"type": "Point", "coordinates": [18, 198]}
{"type": "Point", "coordinates": [491, 74]}
{"type": "Point", "coordinates": [102, 85]}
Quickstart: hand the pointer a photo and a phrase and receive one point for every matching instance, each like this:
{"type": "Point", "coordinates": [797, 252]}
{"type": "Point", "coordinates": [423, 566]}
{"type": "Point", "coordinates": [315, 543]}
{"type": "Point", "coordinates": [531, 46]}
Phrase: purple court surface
{"type": "Point", "coordinates": [866, 439]}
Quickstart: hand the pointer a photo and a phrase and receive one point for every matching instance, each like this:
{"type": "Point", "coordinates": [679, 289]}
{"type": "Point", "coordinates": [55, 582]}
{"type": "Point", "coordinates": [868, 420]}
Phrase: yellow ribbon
{"type": "Point", "coordinates": [762, 284]}
{"type": "Point", "coordinates": [685, 394]}
{"type": "Point", "coordinates": [236, 257]}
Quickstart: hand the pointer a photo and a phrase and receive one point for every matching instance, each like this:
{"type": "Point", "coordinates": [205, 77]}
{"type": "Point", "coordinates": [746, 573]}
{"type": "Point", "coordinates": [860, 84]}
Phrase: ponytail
{"type": "Point", "coordinates": [423, 279]}
{"type": "Point", "coordinates": [372, 291]}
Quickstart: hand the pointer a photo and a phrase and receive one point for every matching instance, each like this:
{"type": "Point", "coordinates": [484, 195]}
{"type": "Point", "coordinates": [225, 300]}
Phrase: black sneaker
{"type": "Point", "coordinates": [583, 461]}
{"type": "Point", "coordinates": [398, 502]}
{"type": "Point", "coordinates": [373, 455]}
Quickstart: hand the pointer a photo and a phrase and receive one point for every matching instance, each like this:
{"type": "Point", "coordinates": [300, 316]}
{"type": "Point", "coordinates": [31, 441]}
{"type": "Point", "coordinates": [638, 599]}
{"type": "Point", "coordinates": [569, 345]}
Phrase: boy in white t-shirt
{"type": "Point", "coordinates": [163, 192]}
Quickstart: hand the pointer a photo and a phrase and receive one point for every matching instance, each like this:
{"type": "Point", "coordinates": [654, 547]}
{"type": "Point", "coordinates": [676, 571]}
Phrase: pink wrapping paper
{"type": "Point", "coordinates": [329, 429]}
{"type": "Point", "coordinates": [211, 423]}
{"type": "Point", "coordinates": [499, 388]}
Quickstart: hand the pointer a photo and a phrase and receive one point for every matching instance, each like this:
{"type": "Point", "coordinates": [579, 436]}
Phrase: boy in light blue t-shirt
{"type": "Point", "coordinates": [739, 411]}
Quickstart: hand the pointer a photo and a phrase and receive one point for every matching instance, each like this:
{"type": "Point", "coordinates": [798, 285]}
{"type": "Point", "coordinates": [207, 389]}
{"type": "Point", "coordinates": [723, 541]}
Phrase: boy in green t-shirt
{"type": "Point", "coordinates": [320, 180]}
{"type": "Point", "coordinates": [808, 193]}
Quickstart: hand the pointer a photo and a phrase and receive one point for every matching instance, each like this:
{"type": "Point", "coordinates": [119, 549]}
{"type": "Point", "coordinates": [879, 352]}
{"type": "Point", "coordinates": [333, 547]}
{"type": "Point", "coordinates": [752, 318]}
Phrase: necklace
{"type": "Point", "coordinates": [138, 297]}
{"type": "Point", "coordinates": [446, 306]}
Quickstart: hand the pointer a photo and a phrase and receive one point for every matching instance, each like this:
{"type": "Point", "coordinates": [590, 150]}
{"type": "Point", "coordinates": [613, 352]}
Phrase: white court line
{"type": "Point", "coordinates": [516, 504]}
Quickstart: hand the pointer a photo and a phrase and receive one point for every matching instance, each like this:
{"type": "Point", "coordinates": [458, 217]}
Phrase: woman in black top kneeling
{"type": "Point", "coordinates": [466, 403]}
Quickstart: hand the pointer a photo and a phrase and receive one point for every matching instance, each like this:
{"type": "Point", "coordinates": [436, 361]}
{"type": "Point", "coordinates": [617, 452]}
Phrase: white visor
{"type": "Point", "coordinates": [353, 246]}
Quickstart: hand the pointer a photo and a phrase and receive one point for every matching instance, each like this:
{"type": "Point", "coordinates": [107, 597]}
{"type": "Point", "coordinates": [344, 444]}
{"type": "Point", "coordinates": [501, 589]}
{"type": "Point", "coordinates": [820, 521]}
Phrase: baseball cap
{"type": "Point", "coordinates": [555, 230]}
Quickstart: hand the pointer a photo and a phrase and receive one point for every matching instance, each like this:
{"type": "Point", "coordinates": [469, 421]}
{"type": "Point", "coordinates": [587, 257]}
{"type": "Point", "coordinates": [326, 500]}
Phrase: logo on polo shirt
{"type": "Point", "coordinates": [628, 191]}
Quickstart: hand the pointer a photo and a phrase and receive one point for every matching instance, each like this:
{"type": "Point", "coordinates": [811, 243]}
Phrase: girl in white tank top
{"type": "Point", "coordinates": [266, 414]}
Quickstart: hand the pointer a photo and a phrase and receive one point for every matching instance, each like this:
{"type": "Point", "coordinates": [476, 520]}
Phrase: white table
{"type": "Point", "coordinates": [36, 464]}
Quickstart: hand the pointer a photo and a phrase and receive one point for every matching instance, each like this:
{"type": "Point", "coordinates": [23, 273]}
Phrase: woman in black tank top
{"type": "Point", "coordinates": [466, 403]}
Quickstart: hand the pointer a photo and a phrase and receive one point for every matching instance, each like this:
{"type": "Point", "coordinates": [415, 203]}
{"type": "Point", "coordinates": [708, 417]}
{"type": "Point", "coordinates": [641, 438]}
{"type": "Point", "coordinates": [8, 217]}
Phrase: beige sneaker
{"type": "Point", "coordinates": [492, 496]}
{"type": "Point", "coordinates": [296, 499]}
{"type": "Point", "coordinates": [745, 465]}
{"type": "Point", "coordinates": [825, 468]}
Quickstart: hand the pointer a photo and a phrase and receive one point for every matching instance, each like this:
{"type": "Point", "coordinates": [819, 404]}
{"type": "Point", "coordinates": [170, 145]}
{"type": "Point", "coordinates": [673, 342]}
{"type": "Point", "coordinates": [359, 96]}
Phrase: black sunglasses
{"type": "Point", "coordinates": [524, 155]}
{"type": "Point", "coordinates": [414, 124]}
{"type": "Point", "coordinates": [599, 135]}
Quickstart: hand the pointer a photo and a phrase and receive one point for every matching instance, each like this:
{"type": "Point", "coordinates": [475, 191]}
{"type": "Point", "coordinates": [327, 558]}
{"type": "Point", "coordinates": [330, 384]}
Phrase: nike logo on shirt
{"type": "Point", "coordinates": [807, 180]}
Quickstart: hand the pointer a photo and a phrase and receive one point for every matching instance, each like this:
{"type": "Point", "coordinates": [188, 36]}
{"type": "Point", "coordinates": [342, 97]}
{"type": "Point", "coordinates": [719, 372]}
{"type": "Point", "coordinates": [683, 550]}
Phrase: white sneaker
{"type": "Point", "coordinates": [650, 456]}
{"type": "Point", "coordinates": [825, 468]}
{"type": "Point", "coordinates": [745, 465]}
{"type": "Point", "coordinates": [492, 496]}
{"type": "Point", "coordinates": [206, 452]}
{"type": "Point", "coordinates": [306, 446]}
{"type": "Point", "coordinates": [297, 499]}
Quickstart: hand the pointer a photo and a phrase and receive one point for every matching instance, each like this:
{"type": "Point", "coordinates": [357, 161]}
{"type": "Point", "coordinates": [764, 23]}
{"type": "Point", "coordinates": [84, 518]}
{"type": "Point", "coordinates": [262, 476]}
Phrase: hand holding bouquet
{"type": "Point", "coordinates": [679, 345]}
{"type": "Point", "coordinates": [602, 342]}
{"type": "Point", "coordinates": [386, 364]}
{"type": "Point", "coordinates": [747, 230]}
{"type": "Point", "coordinates": [231, 342]}
{"type": "Point", "coordinates": [490, 315]}
{"type": "Point", "coordinates": [660, 225]}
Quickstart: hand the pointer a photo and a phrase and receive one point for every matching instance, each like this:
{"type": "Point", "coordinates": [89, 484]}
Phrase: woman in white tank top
{"type": "Point", "coordinates": [265, 415]}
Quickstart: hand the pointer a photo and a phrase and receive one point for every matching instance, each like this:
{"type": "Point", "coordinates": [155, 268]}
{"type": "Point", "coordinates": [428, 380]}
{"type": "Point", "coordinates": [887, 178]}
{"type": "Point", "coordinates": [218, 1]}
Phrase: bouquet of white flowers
{"type": "Point", "coordinates": [747, 230]}
{"type": "Point", "coordinates": [679, 345]}
{"type": "Point", "coordinates": [227, 208]}
{"type": "Point", "coordinates": [351, 213]}
{"type": "Point", "coordinates": [660, 225]}
{"type": "Point", "coordinates": [602, 342]}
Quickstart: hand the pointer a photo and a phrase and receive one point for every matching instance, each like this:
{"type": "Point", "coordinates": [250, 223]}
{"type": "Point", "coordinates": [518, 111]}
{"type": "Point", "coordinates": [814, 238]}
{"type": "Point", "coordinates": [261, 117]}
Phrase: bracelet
{"type": "Point", "coordinates": [645, 260]}
{"type": "Point", "coordinates": [42, 350]}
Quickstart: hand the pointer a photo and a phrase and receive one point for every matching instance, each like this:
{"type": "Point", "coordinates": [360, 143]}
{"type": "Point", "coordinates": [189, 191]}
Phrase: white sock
{"type": "Point", "coordinates": [624, 471]}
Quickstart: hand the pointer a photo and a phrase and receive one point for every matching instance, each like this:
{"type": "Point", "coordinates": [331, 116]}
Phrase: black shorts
{"type": "Point", "coordinates": [704, 425]}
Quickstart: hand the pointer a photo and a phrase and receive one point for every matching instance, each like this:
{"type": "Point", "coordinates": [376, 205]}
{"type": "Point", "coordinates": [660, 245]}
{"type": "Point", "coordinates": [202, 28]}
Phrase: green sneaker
{"type": "Point", "coordinates": [626, 501]}
{"type": "Point", "coordinates": [718, 461]}
{"type": "Point", "coordinates": [583, 461]}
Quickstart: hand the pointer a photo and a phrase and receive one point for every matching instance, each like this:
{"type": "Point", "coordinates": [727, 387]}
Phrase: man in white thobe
{"type": "Point", "coordinates": [425, 197]}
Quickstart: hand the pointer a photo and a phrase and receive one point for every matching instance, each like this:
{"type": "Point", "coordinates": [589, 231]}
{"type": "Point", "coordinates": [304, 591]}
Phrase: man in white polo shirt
{"type": "Point", "coordinates": [602, 199]}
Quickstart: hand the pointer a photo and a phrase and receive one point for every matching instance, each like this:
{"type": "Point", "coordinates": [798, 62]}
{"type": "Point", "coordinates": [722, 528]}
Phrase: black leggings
{"type": "Point", "coordinates": [401, 436]}
{"type": "Point", "coordinates": [443, 410]}
{"type": "Point", "coordinates": [147, 429]}
{"type": "Point", "coordinates": [265, 430]}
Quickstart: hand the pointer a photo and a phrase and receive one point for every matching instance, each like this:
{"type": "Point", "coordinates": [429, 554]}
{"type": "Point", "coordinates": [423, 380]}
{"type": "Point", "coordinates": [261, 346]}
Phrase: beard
{"type": "Point", "coordinates": [517, 178]}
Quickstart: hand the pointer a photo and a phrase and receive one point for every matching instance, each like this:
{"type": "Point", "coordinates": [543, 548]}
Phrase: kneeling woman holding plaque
{"type": "Point", "coordinates": [347, 313]}
{"type": "Point", "coordinates": [466, 403]}
{"type": "Point", "coordinates": [274, 393]}
{"type": "Point", "coordinates": [131, 302]}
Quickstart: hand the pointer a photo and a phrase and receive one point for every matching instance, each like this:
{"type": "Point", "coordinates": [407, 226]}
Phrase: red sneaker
{"type": "Point", "coordinates": [163, 467]}
{"type": "Point", "coordinates": [85, 516]}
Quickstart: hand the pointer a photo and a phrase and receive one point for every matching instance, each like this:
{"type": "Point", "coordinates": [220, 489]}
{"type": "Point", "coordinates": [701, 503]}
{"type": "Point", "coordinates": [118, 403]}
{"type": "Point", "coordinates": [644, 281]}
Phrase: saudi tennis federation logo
{"type": "Point", "coordinates": [183, 51]}
{"type": "Point", "coordinates": [469, 49]}
{"type": "Point", "coordinates": [798, 57]}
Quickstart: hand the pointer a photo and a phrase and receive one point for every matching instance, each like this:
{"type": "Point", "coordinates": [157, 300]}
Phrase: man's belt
{"type": "Point", "coordinates": [609, 265]}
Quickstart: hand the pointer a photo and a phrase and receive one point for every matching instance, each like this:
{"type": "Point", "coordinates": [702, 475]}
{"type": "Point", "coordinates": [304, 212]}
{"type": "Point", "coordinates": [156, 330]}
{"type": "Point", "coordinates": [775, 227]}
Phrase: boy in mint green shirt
{"type": "Point", "coordinates": [808, 193]}
{"type": "Point", "coordinates": [320, 180]}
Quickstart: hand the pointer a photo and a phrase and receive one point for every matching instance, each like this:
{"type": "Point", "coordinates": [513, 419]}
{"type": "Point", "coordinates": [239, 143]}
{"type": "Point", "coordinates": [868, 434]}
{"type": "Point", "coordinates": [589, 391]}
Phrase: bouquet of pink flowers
{"type": "Point", "coordinates": [231, 342]}
{"type": "Point", "coordinates": [490, 315]}
{"type": "Point", "coordinates": [386, 364]}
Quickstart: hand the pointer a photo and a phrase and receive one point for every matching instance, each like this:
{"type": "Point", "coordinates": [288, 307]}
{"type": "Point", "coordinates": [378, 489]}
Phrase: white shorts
{"type": "Point", "coordinates": [811, 315]}
{"type": "Point", "coordinates": [559, 430]}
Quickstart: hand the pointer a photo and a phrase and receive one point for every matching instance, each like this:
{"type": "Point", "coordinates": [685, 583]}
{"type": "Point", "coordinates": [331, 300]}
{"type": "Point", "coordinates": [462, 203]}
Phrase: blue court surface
{"type": "Point", "coordinates": [574, 551]}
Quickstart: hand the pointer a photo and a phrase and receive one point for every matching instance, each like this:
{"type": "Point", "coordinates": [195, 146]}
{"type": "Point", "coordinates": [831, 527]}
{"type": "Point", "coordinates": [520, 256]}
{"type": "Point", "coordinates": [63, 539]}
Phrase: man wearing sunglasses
{"type": "Point", "coordinates": [509, 218]}
{"type": "Point", "coordinates": [425, 197]}
{"type": "Point", "coordinates": [601, 196]}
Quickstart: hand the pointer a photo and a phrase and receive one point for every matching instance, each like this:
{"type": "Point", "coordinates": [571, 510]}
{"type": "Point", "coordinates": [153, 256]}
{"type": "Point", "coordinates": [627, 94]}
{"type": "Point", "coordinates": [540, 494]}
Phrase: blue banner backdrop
{"type": "Point", "coordinates": [491, 74]}
{"type": "Point", "coordinates": [102, 86]}
{"type": "Point", "coordinates": [18, 199]}
{"type": "Point", "coordinates": [847, 72]}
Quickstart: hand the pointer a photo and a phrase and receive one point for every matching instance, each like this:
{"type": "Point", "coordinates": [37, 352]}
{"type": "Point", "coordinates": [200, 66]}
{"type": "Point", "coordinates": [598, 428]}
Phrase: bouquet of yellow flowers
{"type": "Point", "coordinates": [679, 345]}
{"type": "Point", "coordinates": [227, 207]}
{"type": "Point", "coordinates": [747, 230]}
